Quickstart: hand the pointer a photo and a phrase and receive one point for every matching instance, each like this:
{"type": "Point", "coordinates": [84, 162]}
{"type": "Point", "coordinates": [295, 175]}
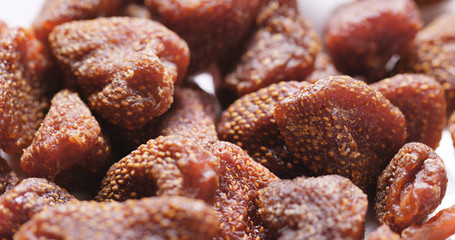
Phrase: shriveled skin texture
{"type": "Point", "coordinates": [21, 74]}
{"type": "Point", "coordinates": [383, 232]}
{"type": "Point", "coordinates": [69, 139]}
{"type": "Point", "coordinates": [23, 201]}
{"type": "Point", "coordinates": [362, 36]}
{"type": "Point", "coordinates": [170, 165]}
{"type": "Point", "coordinates": [326, 207]}
{"type": "Point", "coordinates": [56, 12]}
{"type": "Point", "coordinates": [128, 78]}
{"type": "Point", "coordinates": [8, 178]}
{"type": "Point", "coordinates": [249, 123]}
{"type": "Point", "coordinates": [210, 27]}
{"type": "Point", "coordinates": [341, 126]}
{"type": "Point", "coordinates": [440, 226]}
{"type": "Point", "coordinates": [235, 202]}
{"type": "Point", "coordinates": [283, 48]}
{"type": "Point", "coordinates": [410, 187]}
{"type": "Point", "coordinates": [422, 101]}
{"type": "Point", "coordinates": [149, 218]}
{"type": "Point", "coordinates": [433, 53]}
{"type": "Point", "coordinates": [323, 68]}
{"type": "Point", "coordinates": [192, 115]}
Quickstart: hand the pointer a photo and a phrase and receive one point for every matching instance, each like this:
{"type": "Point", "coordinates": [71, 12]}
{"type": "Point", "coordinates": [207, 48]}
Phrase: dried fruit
{"type": "Point", "coordinates": [8, 179]}
{"type": "Point", "coordinates": [20, 203]}
{"type": "Point", "coordinates": [127, 78]}
{"type": "Point", "coordinates": [69, 140]}
{"type": "Point", "coordinates": [21, 74]}
{"type": "Point", "coordinates": [249, 123]}
{"type": "Point", "coordinates": [422, 101]}
{"type": "Point", "coordinates": [383, 232]}
{"type": "Point", "coordinates": [432, 53]}
{"type": "Point", "coordinates": [451, 127]}
{"type": "Point", "coordinates": [283, 48]}
{"type": "Point", "coordinates": [411, 187]}
{"type": "Point", "coordinates": [362, 36]}
{"type": "Point", "coordinates": [327, 207]}
{"type": "Point", "coordinates": [341, 126]}
{"type": "Point", "coordinates": [211, 28]}
{"type": "Point", "coordinates": [323, 68]}
{"type": "Point", "coordinates": [170, 165]}
{"type": "Point", "coordinates": [440, 226]}
{"type": "Point", "coordinates": [240, 179]}
{"type": "Point", "coordinates": [148, 218]}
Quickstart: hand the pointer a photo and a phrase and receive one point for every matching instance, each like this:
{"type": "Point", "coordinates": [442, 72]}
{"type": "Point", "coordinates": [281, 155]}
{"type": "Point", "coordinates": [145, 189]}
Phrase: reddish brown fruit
{"type": "Point", "coordinates": [441, 226]}
{"type": "Point", "coordinates": [411, 187]}
{"type": "Point", "coordinates": [383, 232]}
{"type": "Point", "coordinates": [68, 140]}
{"type": "Point", "coordinates": [211, 28]}
{"type": "Point", "coordinates": [451, 127]}
{"type": "Point", "coordinates": [427, 2]}
{"type": "Point", "coordinates": [432, 53]}
{"type": "Point", "coordinates": [422, 101]}
{"type": "Point", "coordinates": [283, 48]}
{"type": "Point", "coordinates": [19, 204]}
{"type": "Point", "coordinates": [362, 36]}
{"type": "Point", "coordinates": [127, 78]}
{"type": "Point", "coordinates": [342, 126]}
{"type": "Point", "coordinates": [240, 179]}
{"type": "Point", "coordinates": [327, 207]}
{"type": "Point", "coordinates": [323, 68]}
{"type": "Point", "coordinates": [249, 123]}
{"type": "Point", "coordinates": [8, 178]}
{"type": "Point", "coordinates": [148, 218]}
{"type": "Point", "coordinates": [170, 165]}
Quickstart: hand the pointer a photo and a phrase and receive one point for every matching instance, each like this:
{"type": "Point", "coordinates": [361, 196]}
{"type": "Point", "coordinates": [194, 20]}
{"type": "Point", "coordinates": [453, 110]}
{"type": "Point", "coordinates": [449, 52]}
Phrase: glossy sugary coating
{"type": "Point", "coordinates": [8, 178]}
{"type": "Point", "coordinates": [240, 179]}
{"type": "Point", "coordinates": [149, 218]}
{"type": "Point", "coordinates": [283, 48]}
{"type": "Point", "coordinates": [342, 126]}
{"type": "Point", "coordinates": [127, 77]}
{"type": "Point", "coordinates": [362, 36]}
{"type": "Point", "coordinates": [432, 53]}
{"type": "Point", "coordinates": [249, 123]}
{"type": "Point", "coordinates": [411, 187]}
{"type": "Point", "coordinates": [440, 226]}
{"type": "Point", "coordinates": [169, 165]}
{"type": "Point", "coordinates": [383, 232]}
{"type": "Point", "coordinates": [68, 140]}
{"type": "Point", "coordinates": [211, 28]}
{"type": "Point", "coordinates": [23, 201]}
{"type": "Point", "coordinates": [326, 207]}
{"type": "Point", "coordinates": [323, 68]}
{"type": "Point", "coordinates": [422, 101]}
{"type": "Point", "coordinates": [21, 75]}
{"type": "Point", "coordinates": [192, 115]}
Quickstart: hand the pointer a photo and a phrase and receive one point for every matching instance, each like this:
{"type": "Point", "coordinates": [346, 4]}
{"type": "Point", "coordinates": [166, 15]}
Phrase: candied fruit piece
{"type": "Point", "coordinates": [283, 48]}
{"type": "Point", "coordinates": [451, 127]}
{"type": "Point", "coordinates": [148, 218]}
{"type": "Point", "coordinates": [69, 139]}
{"type": "Point", "coordinates": [432, 53]}
{"type": "Point", "coordinates": [340, 125]}
{"type": "Point", "coordinates": [240, 179]}
{"type": "Point", "coordinates": [167, 165]}
{"type": "Point", "coordinates": [211, 28]}
{"type": "Point", "coordinates": [21, 74]}
{"type": "Point", "coordinates": [410, 187]}
{"type": "Point", "coordinates": [362, 36]}
{"type": "Point", "coordinates": [249, 123]}
{"type": "Point", "coordinates": [23, 201]}
{"type": "Point", "coordinates": [8, 179]}
{"type": "Point", "coordinates": [338, 208]}
{"type": "Point", "coordinates": [383, 232]}
{"type": "Point", "coordinates": [128, 78]}
{"type": "Point", "coordinates": [440, 226]}
{"type": "Point", "coordinates": [422, 101]}
{"type": "Point", "coordinates": [323, 68]}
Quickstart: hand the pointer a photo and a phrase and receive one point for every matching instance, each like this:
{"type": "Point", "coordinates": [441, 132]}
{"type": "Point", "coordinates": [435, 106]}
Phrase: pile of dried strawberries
{"type": "Point", "coordinates": [303, 135]}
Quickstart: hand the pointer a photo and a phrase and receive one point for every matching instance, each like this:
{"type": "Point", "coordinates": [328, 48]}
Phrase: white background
{"type": "Point", "coordinates": [22, 12]}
